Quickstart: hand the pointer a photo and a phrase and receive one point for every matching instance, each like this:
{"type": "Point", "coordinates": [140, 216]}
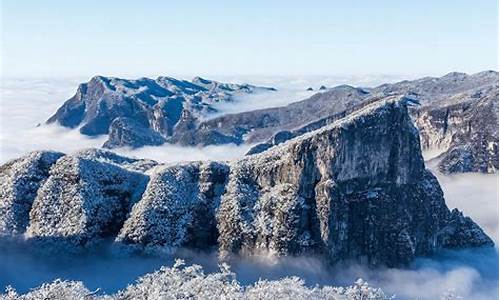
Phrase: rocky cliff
{"type": "Point", "coordinates": [464, 131]}
{"type": "Point", "coordinates": [354, 189]}
{"type": "Point", "coordinates": [457, 117]}
{"type": "Point", "coordinates": [145, 111]}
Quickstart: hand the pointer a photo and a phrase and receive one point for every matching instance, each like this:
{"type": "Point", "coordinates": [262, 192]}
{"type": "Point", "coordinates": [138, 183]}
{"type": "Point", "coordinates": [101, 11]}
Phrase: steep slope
{"type": "Point", "coordinates": [354, 189]}
{"type": "Point", "coordinates": [131, 109]}
{"type": "Point", "coordinates": [86, 196]}
{"type": "Point", "coordinates": [465, 132]}
{"type": "Point", "coordinates": [258, 125]}
{"type": "Point", "coordinates": [458, 117]}
{"type": "Point", "coordinates": [20, 180]}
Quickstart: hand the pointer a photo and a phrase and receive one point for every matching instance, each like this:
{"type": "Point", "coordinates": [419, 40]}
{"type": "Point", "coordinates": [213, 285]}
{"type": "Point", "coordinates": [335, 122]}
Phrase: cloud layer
{"type": "Point", "coordinates": [25, 103]}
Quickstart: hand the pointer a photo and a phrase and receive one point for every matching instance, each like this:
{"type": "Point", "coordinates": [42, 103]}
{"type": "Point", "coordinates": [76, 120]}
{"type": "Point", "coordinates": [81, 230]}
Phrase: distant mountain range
{"type": "Point", "coordinates": [143, 112]}
{"type": "Point", "coordinates": [458, 115]}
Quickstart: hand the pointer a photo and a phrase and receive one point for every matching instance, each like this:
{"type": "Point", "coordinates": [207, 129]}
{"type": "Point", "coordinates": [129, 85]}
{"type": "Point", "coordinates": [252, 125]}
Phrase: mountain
{"type": "Point", "coordinates": [259, 125]}
{"type": "Point", "coordinates": [144, 111]}
{"type": "Point", "coordinates": [457, 116]}
{"type": "Point", "coordinates": [354, 189]}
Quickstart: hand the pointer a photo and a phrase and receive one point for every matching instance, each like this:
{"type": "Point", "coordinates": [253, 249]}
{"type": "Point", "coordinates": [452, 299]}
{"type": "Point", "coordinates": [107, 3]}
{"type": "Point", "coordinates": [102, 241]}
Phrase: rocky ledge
{"type": "Point", "coordinates": [354, 189]}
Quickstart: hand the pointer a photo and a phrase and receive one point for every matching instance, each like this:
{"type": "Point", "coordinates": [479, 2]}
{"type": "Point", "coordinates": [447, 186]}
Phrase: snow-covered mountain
{"type": "Point", "coordinates": [144, 111]}
{"type": "Point", "coordinates": [354, 189]}
{"type": "Point", "coordinates": [457, 117]}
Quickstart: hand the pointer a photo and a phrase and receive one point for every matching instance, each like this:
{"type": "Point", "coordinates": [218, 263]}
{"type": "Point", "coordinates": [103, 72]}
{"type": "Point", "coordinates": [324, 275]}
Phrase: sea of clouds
{"type": "Point", "coordinates": [26, 103]}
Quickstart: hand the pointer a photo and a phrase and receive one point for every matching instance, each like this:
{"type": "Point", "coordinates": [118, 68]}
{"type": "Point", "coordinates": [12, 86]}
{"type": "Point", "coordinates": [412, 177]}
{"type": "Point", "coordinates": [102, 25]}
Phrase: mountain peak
{"type": "Point", "coordinates": [356, 189]}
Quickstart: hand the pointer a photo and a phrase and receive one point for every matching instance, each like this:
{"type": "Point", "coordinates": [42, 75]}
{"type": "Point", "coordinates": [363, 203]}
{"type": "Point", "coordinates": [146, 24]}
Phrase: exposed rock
{"type": "Point", "coordinates": [126, 132]}
{"type": "Point", "coordinates": [20, 180]}
{"type": "Point", "coordinates": [86, 197]}
{"type": "Point", "coordinates": [458, 117]}
{"type": "Point", "coordinates": [322, 88]}
{"type": "Point", "coordinates": [466, 132]}
{"type": "Point", "coordinates": [154, 106]}
{"type": "Point", "coordinates": [259, 125]}
{"type": "Point", "coordinates": [178, 207]}
{"type": "Point", "coordinates": [150, 112]}
{"type": "Point", "coordinates": [354, 189]}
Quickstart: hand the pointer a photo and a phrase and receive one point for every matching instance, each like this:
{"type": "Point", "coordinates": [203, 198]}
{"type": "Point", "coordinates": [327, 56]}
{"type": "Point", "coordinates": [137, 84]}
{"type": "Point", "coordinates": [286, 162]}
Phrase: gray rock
{"type": "Point", "coordinates": [262, 124]}
{"type": "Point", "coordinates": [154, 106]}
{"type": "Point", "coordinates": [458, 116]}
{"type": "Point", "coordinates": [150, 112]}
{"type": "Point", "coordinates": [86, 197]}
{"type": "Point", "coordinates": [466, 132]}
{"type": "Point", "coordinates": [126, 132]}
{"type": "Point", "coordinates": [354, 189]}
{"type": "Point", "coordinates": [20, 180]}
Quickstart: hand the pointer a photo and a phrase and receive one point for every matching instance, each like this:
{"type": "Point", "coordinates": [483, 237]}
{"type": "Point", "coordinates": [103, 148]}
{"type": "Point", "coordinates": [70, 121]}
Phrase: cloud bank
{"type": "Point", "coordinates": [25, 103]}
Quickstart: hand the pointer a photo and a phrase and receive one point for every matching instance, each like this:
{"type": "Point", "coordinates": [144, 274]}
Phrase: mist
{"type": "Point", "coordinates": [476, 195]}
{"type": "Point", "coordinates": [260, 100]}
{"type": "Point", "coordinates": [26, 103]}
{"type": "Point", "coordinates": [468, 274]}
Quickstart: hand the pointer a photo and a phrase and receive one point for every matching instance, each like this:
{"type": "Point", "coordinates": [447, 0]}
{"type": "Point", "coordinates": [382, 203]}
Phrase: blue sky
{"type": "Point", "coordinates": [138, 38]}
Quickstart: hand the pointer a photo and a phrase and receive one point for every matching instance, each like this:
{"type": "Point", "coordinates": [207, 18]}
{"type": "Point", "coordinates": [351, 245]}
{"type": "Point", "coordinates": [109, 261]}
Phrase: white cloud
{"type": "Point", "coordinates": [26, 103]}
{"type": "Point", "coordinates": [476, 195]}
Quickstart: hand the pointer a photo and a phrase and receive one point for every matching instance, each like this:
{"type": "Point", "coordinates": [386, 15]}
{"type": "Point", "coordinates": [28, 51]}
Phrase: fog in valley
{"type": "Point", "coordinates": [26, 103]}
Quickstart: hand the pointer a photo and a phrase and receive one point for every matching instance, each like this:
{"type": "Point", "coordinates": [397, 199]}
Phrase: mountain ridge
{"type": "Point", "coordinates": [354, 189]}
{"type": "Point", "coordinates": [155, 106]}
{"type": "Point", "coordinates": [457, 116]}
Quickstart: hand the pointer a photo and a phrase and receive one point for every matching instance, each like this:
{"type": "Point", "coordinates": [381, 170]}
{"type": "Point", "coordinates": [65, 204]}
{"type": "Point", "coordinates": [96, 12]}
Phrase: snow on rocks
{"type": "Point", "coordinates": [144, 111]}
{"type": "Point", "coordinates": [86, 197]}
{"type": "Point", "coordinates": [178, 207]}
{"type": "Point", "coordinates": [355, 189]}
{"type": "Point", "coordinates": [20, 180]}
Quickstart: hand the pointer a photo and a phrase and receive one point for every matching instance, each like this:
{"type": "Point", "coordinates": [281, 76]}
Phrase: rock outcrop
{"type": "Point", "coordinates": [464, 131]}
{"type": "Point", "coordinates": [458, 117]}
{"type": "Point", "coordinates": [20, 180]}
{"type": "Point", "coordinates": [178, 207]}
{"type": "Point", "coordinates": [259, 125]}
{"type": "Point", "coordinates": [142, 112]}
{"type": "Point", "coordinates": [455, 110]}
{"type": "Point", "coordinates": [354, 189]}
{"type": "Point", "coordinates": [86, 196]}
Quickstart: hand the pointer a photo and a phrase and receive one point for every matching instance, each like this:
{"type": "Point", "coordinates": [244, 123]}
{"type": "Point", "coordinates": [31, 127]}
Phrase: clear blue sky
{"type": "Point", "coordinates": [133, 38]}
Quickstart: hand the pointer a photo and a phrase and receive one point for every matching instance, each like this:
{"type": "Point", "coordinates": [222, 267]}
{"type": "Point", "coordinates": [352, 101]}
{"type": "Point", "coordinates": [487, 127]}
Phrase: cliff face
{"type": "Point", "coordinates": [465, 132]}
{"type": "Point", "coordinates": [145, 111]}
{"type": "Point", "coordinates": [258, 125]}
{"type": "Point", "coordinates": [457, 117]}
{"type": "Point", "coordinates": [354, 189]}
{"type": "Point", "coordinates": [20, 180]}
